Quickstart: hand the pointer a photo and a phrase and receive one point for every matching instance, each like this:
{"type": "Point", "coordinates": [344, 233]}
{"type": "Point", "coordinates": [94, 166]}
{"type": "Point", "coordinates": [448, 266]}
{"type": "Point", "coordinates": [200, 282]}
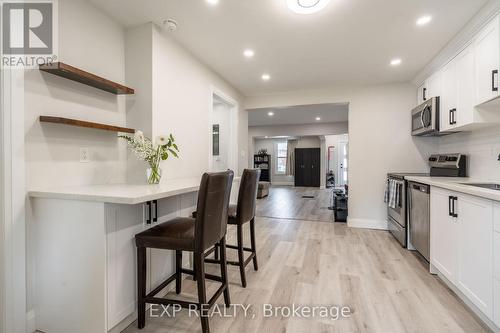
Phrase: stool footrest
{"type": "Point", "coordinates": [245, 263]}
{"type": "Point", "coordinates": [207, 276]}
{"type": "Point", "coordinates": [234, 247]}
{"type": "Point", "coordinates": [161, 286]}
{"type": "Point", "coordinates": [167, 301]}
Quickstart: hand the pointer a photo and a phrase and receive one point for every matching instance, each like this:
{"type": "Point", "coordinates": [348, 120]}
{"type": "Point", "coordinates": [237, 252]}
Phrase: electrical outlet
{"type": "Point", "coordinates": [84, 155]}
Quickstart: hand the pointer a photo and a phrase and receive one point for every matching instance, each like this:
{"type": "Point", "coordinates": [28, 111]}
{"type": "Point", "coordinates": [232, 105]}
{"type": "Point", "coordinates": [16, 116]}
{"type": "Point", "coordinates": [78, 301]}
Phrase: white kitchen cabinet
{"type": "Point", "coordinates": [496, 295]}
{"type": "Point", "coordinates": [462, 245]}
{"type": "Point", "coordinates": [421, 93]}
{"type": "Point", "coordinates": [448, 111]}
{"type": "Point", "coordinates": [434, 85]}
{"type": "Point", "coordinates": [444, 235]}
{"type": "Point", "coordinates": [487, 55]}
{"type": "Point", "coordinates": [475, 220]}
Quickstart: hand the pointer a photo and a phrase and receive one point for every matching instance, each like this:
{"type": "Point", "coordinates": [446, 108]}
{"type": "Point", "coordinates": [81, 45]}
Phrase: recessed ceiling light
{"type": "Point", "coordinates": [270, 113]}
{"type": "Point", "coordinates": [266, 77]}
{"type": "Point", "coordinates": [212, 2]}
{"type": "Point", "coordinates": [318, 118]}
{"type": "Point", "coordinates": [396, 62]}
{"type": "Point", "coordinates": [248, 53]}
{"type": "Point", "coordinates": [306, 6]}
{"type": "Point", "coordinates": [424, 20]}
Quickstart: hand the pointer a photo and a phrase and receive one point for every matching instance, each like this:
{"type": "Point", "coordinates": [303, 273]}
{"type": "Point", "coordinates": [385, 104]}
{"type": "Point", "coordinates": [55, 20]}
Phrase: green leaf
{"type": "Point", "coordinates": [171, 137]}
{"type": "Point", "coordinates": [164, 156]}
{"type": "Point", "coordinates": [175, 146]}
{"type": "Point", "coordinates": [173, 152]}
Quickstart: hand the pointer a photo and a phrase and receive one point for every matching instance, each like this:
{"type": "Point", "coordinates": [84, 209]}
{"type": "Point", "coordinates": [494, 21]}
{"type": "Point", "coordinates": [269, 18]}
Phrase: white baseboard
{"type": "Point", "coordinates": [282, 183]}
{"type": "Point", "coordinates": [366, 224]}
{"type": "Point", "coordinates": [30, 321]}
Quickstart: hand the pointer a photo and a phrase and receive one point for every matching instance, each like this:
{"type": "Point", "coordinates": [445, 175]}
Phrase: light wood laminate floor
{"type": "Point", "coordinates": [387, 288]}
{"type": "Point", "coordinates": [287, 202]}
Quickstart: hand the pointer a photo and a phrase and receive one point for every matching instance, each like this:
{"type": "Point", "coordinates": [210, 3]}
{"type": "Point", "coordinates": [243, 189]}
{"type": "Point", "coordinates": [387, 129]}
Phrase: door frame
{"type": "Point", "coordinates": [13, 316]}
{"type": "Point", "coordinates": [234, 110]}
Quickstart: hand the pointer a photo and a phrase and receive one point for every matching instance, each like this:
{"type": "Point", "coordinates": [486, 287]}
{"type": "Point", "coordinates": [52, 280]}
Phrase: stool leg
{"type": "Point", "coordinates": [223, 271]}
{"type": "Point", "coordinates": [216, 252]}
{"type": "Point", "coordinates": [252, 240]}
{"type": "Point", "coordinates": [241, 255]}
{"type": "Point", "coordinates": [202, 294]}
{"type": "Point", "coordinates": [178, 274]}
{"type": "Point", "coordinates": [141, 287]}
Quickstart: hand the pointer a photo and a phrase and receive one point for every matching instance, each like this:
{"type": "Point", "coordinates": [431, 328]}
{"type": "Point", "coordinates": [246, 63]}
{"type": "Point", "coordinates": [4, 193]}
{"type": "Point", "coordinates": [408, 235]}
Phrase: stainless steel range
{"type": "Point", "coordinates": [399, 211]}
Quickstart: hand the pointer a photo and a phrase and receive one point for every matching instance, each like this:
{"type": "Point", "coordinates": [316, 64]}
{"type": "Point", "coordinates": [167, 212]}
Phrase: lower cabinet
{"type": "Point", "coordinates": [462, 244]}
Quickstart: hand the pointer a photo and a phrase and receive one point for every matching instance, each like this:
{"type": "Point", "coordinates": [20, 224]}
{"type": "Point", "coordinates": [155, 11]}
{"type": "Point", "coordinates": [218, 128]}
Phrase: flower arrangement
{"type": "Point", "coordinates": [152, 152]}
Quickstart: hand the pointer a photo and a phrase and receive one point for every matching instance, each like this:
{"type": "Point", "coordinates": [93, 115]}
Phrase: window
{"type": "Point", "coordinates": [281, 157]}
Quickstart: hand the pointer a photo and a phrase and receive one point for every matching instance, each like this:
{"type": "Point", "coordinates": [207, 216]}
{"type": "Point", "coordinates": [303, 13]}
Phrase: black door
{"type": "Point", "coordinates": [307, 167]}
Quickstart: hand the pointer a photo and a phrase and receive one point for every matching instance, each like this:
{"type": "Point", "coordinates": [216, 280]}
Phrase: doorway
{"type": "Point", "coordinates": [223, 133]}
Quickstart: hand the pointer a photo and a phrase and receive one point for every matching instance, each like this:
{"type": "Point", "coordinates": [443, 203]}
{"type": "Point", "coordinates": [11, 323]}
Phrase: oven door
{"type": "Point", "coordinates": [398, 231]}
{"type": "Point", "coordinates": [399, 212]}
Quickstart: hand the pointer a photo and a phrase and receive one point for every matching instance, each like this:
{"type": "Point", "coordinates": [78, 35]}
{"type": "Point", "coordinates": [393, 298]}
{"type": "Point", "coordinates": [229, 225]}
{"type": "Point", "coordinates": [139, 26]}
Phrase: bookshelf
{"type": "Point", "coordinates": [263, 162]}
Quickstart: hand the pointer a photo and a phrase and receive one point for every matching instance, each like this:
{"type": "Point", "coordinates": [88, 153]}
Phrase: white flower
{"type": "Point", "coordinates": [161, 140]}
{"type": "Point", "coordinates": [139, 136]}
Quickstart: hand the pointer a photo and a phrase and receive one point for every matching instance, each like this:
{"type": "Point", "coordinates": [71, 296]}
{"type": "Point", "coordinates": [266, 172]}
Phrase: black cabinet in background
{"type": "Point", "coordinates": [307, 167]}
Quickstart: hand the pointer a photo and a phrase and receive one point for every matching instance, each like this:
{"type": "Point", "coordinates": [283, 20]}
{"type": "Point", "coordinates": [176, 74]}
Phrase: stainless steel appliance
{"type": "Point", "coordinates": [399, 217]}
{"type": "Point", "coordinates": [425, 118]}
{"type": "Point", "coordinates": [420, 226]}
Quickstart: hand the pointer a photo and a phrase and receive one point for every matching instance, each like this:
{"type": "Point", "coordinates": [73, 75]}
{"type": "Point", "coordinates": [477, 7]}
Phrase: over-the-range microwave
{"type": "Point", "coordinates": [425, 118]}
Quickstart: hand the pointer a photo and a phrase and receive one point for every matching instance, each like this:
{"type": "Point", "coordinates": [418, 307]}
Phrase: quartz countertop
{"type": "Point", "coordinates": [119, 193]}
{"type": "Point", "coordinates": [457, 184]}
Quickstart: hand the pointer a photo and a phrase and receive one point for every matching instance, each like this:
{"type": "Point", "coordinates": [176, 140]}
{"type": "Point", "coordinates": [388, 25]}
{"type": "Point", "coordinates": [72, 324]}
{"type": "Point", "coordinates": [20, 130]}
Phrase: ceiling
{"type": "Point", "coordinates": [349, 42]}
{"type": "Point", "coordinates": [297, 115]}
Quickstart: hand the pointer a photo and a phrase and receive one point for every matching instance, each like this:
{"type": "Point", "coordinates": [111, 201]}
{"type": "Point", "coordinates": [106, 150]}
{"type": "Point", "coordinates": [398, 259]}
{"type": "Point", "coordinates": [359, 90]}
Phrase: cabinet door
{"type": "Point", "coordinates": [465, 87]}
{"type": "Point", "coordinates": [475, 275]}
{"type": "Point", "coordinates": [434, 85]}
{"type": "Point", "coordinates": [444, 235]}
{"type": "Point", "coordinates": [487, 55]}
{"type": "Point", "coordinates": [299, 167]}
{"type": "Point", "coordinates": [123, 222]}
{"type": "Point", "coordinates": [315, 167]}
{"type": "Point", "coordinates": [421, 94]}
{"type": "Point", "coordinates": [448, 97]}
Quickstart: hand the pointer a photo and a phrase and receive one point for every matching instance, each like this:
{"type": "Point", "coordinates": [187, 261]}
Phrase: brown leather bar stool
{"type": "Point", "coordinates": [190, 234]}
{"type": "Point", "coordinates": [240, 214]}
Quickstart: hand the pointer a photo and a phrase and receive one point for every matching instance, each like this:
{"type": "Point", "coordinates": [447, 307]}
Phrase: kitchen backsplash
{"type": "Point", "coordinates": [482, 147]}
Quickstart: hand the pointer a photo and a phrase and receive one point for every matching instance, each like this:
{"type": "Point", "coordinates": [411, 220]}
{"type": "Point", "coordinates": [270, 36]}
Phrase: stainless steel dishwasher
{"type": "Point", "coordinates": [419, 202]}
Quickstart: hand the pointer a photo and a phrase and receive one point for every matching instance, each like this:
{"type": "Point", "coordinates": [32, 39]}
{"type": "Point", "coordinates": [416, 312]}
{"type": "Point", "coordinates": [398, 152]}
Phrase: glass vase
{"type": "Point", "coordinates": [154, 174]}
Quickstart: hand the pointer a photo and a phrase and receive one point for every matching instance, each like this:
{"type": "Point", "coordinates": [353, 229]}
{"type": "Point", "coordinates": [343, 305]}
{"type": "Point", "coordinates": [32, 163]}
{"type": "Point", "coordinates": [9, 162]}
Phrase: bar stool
{"type": "Point", "coordinates": [239, 215]}
{"type": "Point", "coordinates": [190, 234]}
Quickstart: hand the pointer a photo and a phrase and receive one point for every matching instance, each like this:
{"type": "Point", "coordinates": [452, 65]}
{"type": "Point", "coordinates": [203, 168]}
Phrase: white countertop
{"type": "Point", "coordinates": [119, 193]}
{"type": "Point", "coordinates": [457, 184]}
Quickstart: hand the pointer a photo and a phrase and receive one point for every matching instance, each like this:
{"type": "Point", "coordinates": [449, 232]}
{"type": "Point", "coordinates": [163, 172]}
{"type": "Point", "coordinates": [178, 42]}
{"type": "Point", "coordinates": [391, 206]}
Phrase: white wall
{"type": "Point", "coordinates": [333, 141]}
{"type": "Point", "coordinates": [379, 140]}
{"type": "Point", "coordinates": [181, 102]}
{"type": "Point", "coordinates": [91, 41]}
{"type": "Point", "coordinates": [482, 148]}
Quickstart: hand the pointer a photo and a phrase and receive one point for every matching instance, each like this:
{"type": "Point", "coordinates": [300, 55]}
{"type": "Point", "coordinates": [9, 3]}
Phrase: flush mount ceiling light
{"type": "Point", "coordinates": [266, 77]}
{"type": "Point", "coordinates": [248, 53]}
{"type": "Point", "coordinates": [424, 20]}
{"type": "Point", "coordinates": [306, 6]}
{"type": "Point", "coordinates": [270, 113]}
{"type": "Point", "coordinates": [396, 62]}
{"type": "Point", "coordinates": [318, 118]}
{"type": "Point", "coordinates": [212, 2]}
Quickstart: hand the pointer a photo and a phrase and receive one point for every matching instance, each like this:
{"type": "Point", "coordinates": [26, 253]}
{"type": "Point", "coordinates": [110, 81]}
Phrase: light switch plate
{"type": "Point", "coordinates": [84, 155]}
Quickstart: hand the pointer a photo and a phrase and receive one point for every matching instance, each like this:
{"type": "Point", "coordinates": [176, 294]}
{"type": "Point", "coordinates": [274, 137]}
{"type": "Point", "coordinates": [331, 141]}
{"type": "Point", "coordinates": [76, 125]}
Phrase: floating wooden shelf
{"type": "Point", "coordinates": [75, 74]}
{"type": "Point", "coordinates": [86, 124]}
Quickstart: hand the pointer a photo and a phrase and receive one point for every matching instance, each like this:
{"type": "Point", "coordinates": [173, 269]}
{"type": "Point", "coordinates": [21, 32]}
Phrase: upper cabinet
{"type": "Point", "coordinates": [467, 83]}
{"type": "Point", "coordinates": [487, 53]}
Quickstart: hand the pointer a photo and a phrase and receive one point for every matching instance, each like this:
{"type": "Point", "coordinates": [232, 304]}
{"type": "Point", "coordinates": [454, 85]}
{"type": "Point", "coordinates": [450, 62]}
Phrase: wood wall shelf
{"type": "Point", "coordinates": [86, 124]}
{"type": "Point", "coordinates": [75, 74]}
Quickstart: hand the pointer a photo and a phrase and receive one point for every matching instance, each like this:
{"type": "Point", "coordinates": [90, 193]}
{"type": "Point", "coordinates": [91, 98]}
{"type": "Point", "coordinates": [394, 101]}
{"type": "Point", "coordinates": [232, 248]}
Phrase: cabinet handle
{"type": "Point", "coordinates": [148, 212]}
{"type": "Point", "coordinates": [455, 200]}
{"type": "Point", "coordinates": [424, 93]}
{"type": "Point", "coordinates": [493, 74]}
{"type": "Point", "coordinates": [155, 218]}
{"type": "Point", "coordinates": [451, 117]}
{"type": "Point", "coordinates": [450, 204]}
{"type": "Point", "coordinates": [454, 116]}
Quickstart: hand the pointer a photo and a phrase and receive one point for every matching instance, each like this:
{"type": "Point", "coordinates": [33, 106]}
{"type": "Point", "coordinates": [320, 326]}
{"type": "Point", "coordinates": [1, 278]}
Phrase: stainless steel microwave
{"type": "Point", "coordinates": [425, 118]}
